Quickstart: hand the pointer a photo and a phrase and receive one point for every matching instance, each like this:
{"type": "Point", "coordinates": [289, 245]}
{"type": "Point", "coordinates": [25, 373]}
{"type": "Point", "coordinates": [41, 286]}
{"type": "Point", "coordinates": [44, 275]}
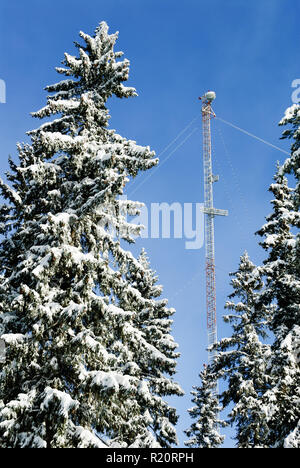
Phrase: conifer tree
{"type": "Point", "coordinates": [151, 329]}
{"type": "Point", "coordinates": [281, 271]}
{"type": "Point", "coordinates": [204, 431]}
{"type": "Point", "coordinates": [241, 359]}
{"type": "Point", "coordinates": [87, 344]}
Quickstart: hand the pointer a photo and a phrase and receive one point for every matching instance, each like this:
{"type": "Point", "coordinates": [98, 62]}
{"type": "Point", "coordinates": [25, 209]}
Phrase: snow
{"type": "Point", "coordinates": [289, 113]}
{"type": "Point", "coordinates": [293, 439]}
{"type": "Point", "coordinates": [111, 380]}
{"type": "Point", "coordinates": [13, 338]}
{"type": "Point", "coordinates": [102, 155]}
{"type": "Point", "coordinates": [43, 264]}
{"type": "Point", "coordinates": [14, 196]}
{"type": "Point", "coordinates": [271, 240]}
{"type": "Point", "coordinates": [66, 402]}
{"type": "Point", "coordinates": [62, 218]}
{"type": "Point", "coordinates": [145, 440]}
{"type": "Point", "coordinates": [291, 343]}
{"type": "Point", "coordinates": [76, 255]}
{"type": "Point", "coordinates": [88, 439]}
{"type": "Point", "coordinates": [28, 440]}
{"type": "Point", "coordinates": [143, 390]}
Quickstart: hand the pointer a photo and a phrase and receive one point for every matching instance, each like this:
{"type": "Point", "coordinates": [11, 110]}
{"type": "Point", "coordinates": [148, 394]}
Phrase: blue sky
{"type": "Point", "coordinates": [248, 52]}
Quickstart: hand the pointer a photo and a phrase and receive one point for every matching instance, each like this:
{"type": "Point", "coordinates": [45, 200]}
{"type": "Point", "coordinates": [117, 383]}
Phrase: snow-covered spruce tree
{"type": "Point", "coordinates": [241, 359]}
{"type": "Point", "coordinates": [151, 330]}
{"type": "Point", "coordinates": [281, 271]}
{"type": "Point", "coordinates": [204, 431]}
{"type": "Point", "coordinates": [81, 366]}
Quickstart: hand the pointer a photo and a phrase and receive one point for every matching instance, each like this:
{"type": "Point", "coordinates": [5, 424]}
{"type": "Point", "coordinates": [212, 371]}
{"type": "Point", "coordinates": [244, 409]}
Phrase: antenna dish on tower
{"type": "Point", "coordinates": [209, 96]}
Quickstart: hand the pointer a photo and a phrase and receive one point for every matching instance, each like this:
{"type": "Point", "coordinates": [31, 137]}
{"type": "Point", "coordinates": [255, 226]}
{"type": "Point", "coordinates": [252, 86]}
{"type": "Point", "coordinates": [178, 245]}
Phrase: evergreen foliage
{"type": "Point", "coordinates": [89, 352]}
{"type": "Point", "coordinates": [204, 431]}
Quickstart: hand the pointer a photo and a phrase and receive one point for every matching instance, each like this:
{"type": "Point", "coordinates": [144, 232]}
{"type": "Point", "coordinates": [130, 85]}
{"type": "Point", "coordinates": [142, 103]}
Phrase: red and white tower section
{"type": "Point", "coordinates": [210, 213]}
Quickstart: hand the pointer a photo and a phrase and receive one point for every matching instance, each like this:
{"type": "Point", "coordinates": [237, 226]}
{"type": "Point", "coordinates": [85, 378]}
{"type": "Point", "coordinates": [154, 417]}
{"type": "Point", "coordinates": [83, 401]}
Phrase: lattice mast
{"type": "Point", "coordinates": [210, 213]}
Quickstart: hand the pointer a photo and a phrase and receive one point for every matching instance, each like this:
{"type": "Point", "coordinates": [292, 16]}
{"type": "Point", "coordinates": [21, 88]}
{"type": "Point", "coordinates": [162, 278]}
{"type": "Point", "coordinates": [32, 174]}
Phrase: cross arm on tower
{"type": "Point", "coordinates": [214, 211]}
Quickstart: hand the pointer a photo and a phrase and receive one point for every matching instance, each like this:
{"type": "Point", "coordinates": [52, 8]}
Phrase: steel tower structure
{"type": "Point", "coordinates": [210, 213]}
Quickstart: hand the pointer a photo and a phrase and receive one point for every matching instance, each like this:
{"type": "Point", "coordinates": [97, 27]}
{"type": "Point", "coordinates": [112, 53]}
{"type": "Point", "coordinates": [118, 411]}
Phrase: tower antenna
{"type": "Point", "coordinates": [210, 212]}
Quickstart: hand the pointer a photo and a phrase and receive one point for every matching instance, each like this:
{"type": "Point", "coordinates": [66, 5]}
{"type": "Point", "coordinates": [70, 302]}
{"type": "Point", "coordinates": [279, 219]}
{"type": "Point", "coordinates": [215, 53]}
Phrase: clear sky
{"type": "Point", "coordinates": [247, 51]}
